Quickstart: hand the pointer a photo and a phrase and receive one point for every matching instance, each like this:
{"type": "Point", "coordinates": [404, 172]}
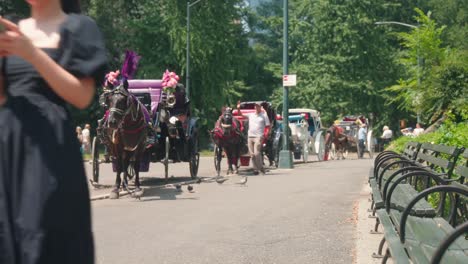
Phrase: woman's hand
{"type": "Point", "coordinates": [13, 42]}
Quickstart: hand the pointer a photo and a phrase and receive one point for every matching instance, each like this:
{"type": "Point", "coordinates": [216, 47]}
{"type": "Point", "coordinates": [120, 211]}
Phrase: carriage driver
{"type": "Point", "coordinates": [259, 125]}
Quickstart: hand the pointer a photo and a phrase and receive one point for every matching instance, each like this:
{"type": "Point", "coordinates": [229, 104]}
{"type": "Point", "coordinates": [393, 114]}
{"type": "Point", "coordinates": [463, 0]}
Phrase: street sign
{"type": "Point", "coordinates": [289, 80]}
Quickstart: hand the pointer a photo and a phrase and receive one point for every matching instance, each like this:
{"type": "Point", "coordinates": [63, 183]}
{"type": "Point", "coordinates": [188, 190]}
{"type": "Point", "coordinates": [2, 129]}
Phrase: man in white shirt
{"type": "Point", "coordinates": [86, 138]}
{"type": "Point", "coordinates": [418, 130]}
{"type": "Point", "coordinates": [258, 121]}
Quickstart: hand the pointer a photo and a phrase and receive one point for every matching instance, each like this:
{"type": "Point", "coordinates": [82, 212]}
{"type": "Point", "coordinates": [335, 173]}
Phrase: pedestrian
{"type": "Point", "coordinates": [362, 135]}
{"type": "Point", "coordinates": [259, 125]}
{"type": "Point", "coordinates": [86, 139]}
{"type": "Point", "coordinates": [386, 136]}
{"type": "Point", "coordinates": [418, 130]}
{"type": "Point", "coordinates": [79, 136]}
{"type": "Point", "coordinates": [53, 58]}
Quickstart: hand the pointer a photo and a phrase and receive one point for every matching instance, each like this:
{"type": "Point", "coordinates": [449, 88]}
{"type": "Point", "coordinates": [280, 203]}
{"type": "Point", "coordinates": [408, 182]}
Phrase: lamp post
{"type": "Point", "coordinates": [419, 58]}
{"type": "Point", "coordinates": [285, 155]}
{"type": "Point", "coordinates": [187, 75]}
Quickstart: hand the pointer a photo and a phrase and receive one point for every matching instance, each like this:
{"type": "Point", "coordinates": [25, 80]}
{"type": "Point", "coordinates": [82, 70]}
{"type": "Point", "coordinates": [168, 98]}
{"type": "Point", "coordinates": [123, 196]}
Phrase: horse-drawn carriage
{"type": "Point", "coordinates": [306, 133]}
{"type": "Point", "coordinates": [350, 126]}
{"type": "Point", "coordinates": [230, 133]}
{"type": "Point", "coordinates": [167, 120]}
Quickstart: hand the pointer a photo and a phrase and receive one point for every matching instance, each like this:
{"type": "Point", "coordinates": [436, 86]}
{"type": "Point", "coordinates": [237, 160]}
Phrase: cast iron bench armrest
{"type": "Point", "coordinates": [381, 175]}
{"type": "Point", "coordinates": [384, 154]}
{"type": "Point", "coordinates": [422, 195]}
{"type": "Point", "coordinates": [411, 174]}
{"type": "Point", "coordinates": [378, 166]}
{"type": "Point", "coordinates": [442, 248]}
{"type": "Point", "coordinates": [415, 171]}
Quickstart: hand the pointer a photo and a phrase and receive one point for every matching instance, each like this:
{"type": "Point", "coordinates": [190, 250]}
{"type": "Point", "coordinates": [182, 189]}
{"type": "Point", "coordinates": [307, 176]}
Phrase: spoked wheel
{"type": "Point", "coordinates": [95, 159]}
{"type": "Point", "coordinates": [305, 151]}
{"type": "Point", "coordinates": [320, 146]}
{"type": "Point", "coordinates": [218, 155]}
{"type": "Point", "coordinates": [194, 159]}
{"type": "Point", "coordinates": [370, 144]}
{"type": "Point", "coordinates": [166, 158]}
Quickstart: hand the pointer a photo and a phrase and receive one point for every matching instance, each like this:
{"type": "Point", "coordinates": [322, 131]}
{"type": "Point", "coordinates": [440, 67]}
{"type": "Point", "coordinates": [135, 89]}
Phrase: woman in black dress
{"type": "Point", "coordinates": [54, 58]}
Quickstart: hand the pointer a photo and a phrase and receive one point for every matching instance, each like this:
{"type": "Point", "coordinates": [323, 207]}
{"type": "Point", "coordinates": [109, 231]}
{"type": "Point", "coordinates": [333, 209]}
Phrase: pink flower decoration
{"type": "Point", "coordinates": [170, 80]}
{"type": "Point", "coordinates": [112, 78]}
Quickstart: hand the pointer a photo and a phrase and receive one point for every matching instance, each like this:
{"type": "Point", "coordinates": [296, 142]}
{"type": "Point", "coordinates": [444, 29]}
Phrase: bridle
{"type": "Point", "coordinates": [130, 105]}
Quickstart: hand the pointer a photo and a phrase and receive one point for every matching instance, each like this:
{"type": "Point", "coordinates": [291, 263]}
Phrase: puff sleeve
{"type": "Point", "coordinates": [83, 52]}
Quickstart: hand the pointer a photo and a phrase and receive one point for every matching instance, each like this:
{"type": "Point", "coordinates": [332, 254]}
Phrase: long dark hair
{"type": "Point", "coordinates": [71, 6]}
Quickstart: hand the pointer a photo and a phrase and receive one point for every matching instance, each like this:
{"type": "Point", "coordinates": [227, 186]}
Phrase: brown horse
{"type": "Point", "coordinates": [227, 135]}
{"type": "Point", "coordinates": [335, 135]}
{"type": "Point", "coordinates": [126, 131]}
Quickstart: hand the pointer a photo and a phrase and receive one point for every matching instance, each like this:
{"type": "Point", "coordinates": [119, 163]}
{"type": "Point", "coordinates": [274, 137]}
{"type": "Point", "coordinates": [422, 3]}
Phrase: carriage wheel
{"type": "Point", "coordinates": [218, 155]}
{"type": "Point", "coordinates": [194, 159]}
{"type": "Point", "coordinates": [95, 159]}
{"type": "Point", "coordinates": [166, 159]}
{"type": "Point", "coordinates": [305, 151]}
{"type": "Point", "coordinates": [370, 144]}
{"type": "Point", "coordinates": [320, 147]}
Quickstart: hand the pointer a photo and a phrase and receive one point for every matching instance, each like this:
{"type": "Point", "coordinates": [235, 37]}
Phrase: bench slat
{"type": "Point", "coordinates": [450, 150]}
{"type": "Point", "coordinates": [441, 162]}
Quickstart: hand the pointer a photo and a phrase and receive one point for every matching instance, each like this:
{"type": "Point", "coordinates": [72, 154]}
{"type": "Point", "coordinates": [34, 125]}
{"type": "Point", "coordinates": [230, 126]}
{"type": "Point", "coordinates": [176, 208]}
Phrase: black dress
{"type": "Point", "coordinates": [44, 200]}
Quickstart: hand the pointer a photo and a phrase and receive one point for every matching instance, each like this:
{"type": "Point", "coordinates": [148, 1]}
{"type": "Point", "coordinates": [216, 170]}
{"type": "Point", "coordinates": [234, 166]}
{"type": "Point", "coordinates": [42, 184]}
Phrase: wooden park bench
{"type": "Point", "coordinates": [437, 237]}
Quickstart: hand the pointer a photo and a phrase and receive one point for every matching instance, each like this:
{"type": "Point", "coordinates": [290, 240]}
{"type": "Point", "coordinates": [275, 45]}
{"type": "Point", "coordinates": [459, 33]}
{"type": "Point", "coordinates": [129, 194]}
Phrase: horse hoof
{"type": "Point", "coordinates": [114, 194]}
{"type": "Point", "coordinates": [138, 193]}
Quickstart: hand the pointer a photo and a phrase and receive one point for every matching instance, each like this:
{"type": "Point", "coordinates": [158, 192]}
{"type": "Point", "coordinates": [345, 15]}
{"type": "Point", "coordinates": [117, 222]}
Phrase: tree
{"type": "Point", "coordinates": [443, 78]}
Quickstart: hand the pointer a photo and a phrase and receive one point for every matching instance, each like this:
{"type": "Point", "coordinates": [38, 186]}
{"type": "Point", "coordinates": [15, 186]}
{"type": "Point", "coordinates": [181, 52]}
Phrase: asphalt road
{"type": "Point", "coordinates": [304, 215]}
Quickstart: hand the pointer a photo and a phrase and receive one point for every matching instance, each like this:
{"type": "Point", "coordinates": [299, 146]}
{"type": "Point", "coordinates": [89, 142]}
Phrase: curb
{"type": "Point", "coordinates": [106, 196]}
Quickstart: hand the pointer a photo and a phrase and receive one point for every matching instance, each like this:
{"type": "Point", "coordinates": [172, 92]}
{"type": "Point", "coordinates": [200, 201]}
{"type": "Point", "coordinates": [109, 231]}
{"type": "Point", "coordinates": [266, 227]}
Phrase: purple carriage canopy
{"type": "Point", "coordinates": [152, 87]}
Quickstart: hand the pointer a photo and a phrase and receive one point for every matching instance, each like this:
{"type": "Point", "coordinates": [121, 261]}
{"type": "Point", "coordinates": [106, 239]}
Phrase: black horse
{"type": "Point", "coordinates": [126, 131]}
{"type": "Point", "coordinates": [228, 136]}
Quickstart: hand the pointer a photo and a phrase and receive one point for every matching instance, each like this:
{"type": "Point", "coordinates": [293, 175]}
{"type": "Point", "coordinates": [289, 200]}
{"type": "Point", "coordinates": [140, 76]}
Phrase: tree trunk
{"type": "Point", "coordinates": [435, 125]}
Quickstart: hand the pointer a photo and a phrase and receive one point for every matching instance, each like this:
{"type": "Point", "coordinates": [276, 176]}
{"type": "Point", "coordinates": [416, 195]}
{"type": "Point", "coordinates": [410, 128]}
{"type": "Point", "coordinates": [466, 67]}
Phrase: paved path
{"type": "Point", "coordinates": [305, 215]}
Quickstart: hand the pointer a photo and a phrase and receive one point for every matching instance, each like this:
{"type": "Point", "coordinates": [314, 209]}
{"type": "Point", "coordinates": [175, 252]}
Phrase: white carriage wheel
{"type": "Point", "coordinates": [320, 146]}
{"type": "Point", "coordinates": [305, 151]}
{"type": "Point", "coordinates": [370, 144]}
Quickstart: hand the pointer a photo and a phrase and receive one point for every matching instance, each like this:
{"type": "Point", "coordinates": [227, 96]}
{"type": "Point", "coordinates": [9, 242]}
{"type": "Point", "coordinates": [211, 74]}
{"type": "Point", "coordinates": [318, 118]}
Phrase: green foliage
{"type": "Point", "coordinates": [450, 134]}
{"type": "Point", "coordinates": [436, 79]}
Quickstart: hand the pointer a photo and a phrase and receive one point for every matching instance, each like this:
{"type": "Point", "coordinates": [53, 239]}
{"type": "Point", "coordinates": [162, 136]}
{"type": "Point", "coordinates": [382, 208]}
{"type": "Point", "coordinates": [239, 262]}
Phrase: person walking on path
{"type": "Point", "coordinates": [79, 135]}
{"type": "Point", "coordinates": [53, 58]}
{"type": "Point", "coordinates": [86, 139]}
{"type": "Point", "coordinates": [362, 135]}
{"type": "Point", "coordinates": [258, 121]}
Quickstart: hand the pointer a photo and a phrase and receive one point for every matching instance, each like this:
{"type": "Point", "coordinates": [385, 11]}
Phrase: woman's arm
{"type": "Point", "coordinates": [77, 92]}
